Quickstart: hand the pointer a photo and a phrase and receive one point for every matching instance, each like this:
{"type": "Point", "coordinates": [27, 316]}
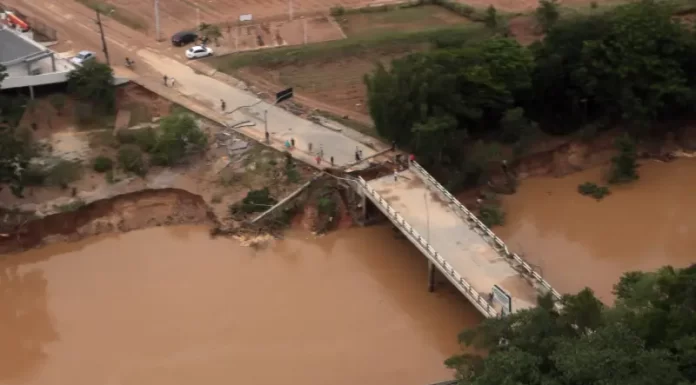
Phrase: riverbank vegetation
{"type": "Point", "coordinates": [587, 74]}
{"type": "Point", "coordinates": [647, 337]}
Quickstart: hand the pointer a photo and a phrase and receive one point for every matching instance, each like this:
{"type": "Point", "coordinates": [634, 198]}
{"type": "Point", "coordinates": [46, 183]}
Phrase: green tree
{"type": "Point", "coordinates": [179, 137]}
{"type": "Point", "coordinates": [131, 159]}
{"type": "Point", "coordinates": [58, 102]}
{"type": "Point", "coordinates": [93, 83]}
{"type": "Point", "coordinates": [15, 152]}
{"type": "Point", "coordinates": [210, 31]}
{"type": "Point", "coordinates": [633, 63]}
{"type": "Point", "coordinates": [255, 201]}
{"type": "Point", "coordinates": [647, 337]}
{"type": "Point", "coordinates": [640, 67]}
{"type": "Point", "coordinates": [547, 14]}
{"type": "Point", "coordinates": [624, 165]}
{"type": "Point", "coordinates": [434, 102]}
{"type": "Point", "coordinates": [491, 18]}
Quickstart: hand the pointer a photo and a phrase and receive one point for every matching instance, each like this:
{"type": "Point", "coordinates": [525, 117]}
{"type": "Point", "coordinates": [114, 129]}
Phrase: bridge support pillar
{"type": "Point", "coordinates": [431, 276]}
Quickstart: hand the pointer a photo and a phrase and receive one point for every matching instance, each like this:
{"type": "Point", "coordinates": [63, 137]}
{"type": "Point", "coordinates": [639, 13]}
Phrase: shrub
{"type": "Point", "coordinates": [292, 175]}
{"type": "Point", "coordinates": [547, 14]}
{"type": "Point", "coordinates": [180, 136]}
{"type": "Point", "coordinates": [491, 18]}
{"type": "Point", "coordinates": [337, 11]}
{"type": "Point", "coordinates": [131, 159]}
{"type": "Point", "coordinates": [58, 102]}
{"type": "Point", "coordinates": [62, 173]}
{"type": "Point", "coordinates": [327, 206]}
{"type": "Point", "coordinates": [492, 215]}
{"type": "Point", "coordinates": [145, 138]}
{"type": "Point", "coordinates": [255, 201]}
{"type": "Point", "coordinates": [103, 164]}
{"type": "Point", "coordinates": [593, 190]}
{"type": "Point", "coordinates": [624, 166]}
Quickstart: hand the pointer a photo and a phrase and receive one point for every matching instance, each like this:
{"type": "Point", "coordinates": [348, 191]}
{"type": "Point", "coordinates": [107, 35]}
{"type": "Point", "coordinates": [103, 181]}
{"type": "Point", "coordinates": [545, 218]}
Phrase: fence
{"type": "Point", "coordinates": [457, 280]}
{"type": "Point", "coordinates": [468, 215]}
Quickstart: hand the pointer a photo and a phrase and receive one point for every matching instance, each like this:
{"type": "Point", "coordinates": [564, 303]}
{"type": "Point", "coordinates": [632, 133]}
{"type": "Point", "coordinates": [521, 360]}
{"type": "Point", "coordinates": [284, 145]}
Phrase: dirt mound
{"type": "Point", "coordinates": [122, 213]}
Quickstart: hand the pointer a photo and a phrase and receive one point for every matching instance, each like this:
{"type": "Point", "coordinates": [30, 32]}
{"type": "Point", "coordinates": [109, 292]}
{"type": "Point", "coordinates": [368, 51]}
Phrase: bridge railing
{"type": "Point", "coordinates": [462, 284]}
{"type": "Point", "coordinates": [468, 215]}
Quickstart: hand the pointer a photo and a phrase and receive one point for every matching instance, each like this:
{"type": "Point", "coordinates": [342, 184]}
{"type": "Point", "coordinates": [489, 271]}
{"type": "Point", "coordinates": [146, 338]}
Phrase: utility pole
{"type": "Point", "coordinates": [157, 23]}
{"type": "Point", "coordinates": [290, 9]}
{"type": "Point", "coordinates": [265, 122]}
{"type": "Point", "coordinates": [103, 39]}
{"type": "Point", "coordinates": [304, 29]}
{"type": "Point", "coordinates": [198, 18]}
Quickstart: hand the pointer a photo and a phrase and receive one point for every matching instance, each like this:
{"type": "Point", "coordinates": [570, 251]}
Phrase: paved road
{"type": "Point", "coordinates": [462, 247]}
{"type": "Point", "coordinates": [282, 125]}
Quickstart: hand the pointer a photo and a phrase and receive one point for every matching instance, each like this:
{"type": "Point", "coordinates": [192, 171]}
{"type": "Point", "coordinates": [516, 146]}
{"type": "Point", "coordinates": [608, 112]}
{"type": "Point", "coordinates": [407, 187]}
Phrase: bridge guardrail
{"type": "Point", "coordinates": [463, 285]}
{"type": "Point", "coordinates": [499, 242]}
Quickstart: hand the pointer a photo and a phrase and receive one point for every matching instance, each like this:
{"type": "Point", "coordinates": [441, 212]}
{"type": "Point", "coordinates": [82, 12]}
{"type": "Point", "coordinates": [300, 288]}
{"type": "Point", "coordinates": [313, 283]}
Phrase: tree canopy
{"type": "Point", "coordinates": [647, 338]}
{"type": "Point", "coordinates": [634, 63]}
{"type": "Point", "coordinates": [93, 83]}
{"type": "Point", "coordinates": [15, 151]}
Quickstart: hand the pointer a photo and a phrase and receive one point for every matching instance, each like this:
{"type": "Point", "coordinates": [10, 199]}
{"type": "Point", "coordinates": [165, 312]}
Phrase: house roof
{"type": "Point", "coordinates": [13, 47]}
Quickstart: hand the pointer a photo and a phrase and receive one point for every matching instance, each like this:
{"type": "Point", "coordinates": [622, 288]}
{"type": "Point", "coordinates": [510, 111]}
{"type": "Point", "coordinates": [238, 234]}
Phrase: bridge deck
{"type": "Point", "coordinates": [451, 236]}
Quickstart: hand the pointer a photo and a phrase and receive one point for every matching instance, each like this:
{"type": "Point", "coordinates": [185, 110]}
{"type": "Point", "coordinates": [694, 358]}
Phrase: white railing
{"type": "Point", "coordinates": [457, 280]}
{"type": "Point", "coordinates": [468, 215]}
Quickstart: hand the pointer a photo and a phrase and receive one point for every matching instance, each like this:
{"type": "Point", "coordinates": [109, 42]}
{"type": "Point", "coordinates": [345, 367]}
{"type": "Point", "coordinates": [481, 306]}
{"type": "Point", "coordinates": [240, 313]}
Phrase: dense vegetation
{"type": "Point", "coordinates": [634, 64]}
{"type": "Point", "coordinates": [647, 338]}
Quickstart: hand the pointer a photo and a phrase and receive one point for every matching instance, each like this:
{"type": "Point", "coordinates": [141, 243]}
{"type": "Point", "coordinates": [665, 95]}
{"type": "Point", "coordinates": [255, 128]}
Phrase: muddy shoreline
{"type": "Point", "coordinates": [120, 213]}
{"type": "Point", "coordinates": [152, 207]}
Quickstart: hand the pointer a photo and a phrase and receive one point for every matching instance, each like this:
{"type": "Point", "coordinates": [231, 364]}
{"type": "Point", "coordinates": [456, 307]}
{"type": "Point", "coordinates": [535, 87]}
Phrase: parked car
{"type": "Point", "coordinates": [198, 51]}
{"type": "Point", "coordinates": [183, 37]}
{"type": "Point", "coordinates": [83, 57]}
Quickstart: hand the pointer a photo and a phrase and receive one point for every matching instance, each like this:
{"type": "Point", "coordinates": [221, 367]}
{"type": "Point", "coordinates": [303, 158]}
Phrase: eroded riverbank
{"type": "Point", "coordinates": [576, 241]}
{"type": "Point", "coordinates": [171, 306]}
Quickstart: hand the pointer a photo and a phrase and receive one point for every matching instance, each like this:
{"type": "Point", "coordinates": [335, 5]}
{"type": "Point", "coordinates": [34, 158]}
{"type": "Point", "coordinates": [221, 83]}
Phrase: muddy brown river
{"type": "Point", "coordinates": [172, 306]}
{"type": "Point", "coordinates": [577, 241]}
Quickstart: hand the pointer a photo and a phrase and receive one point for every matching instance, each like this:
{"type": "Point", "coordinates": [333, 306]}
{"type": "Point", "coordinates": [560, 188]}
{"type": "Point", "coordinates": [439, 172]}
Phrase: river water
{"type": "Point", "coordinates": [172, 306]}
{"type": "Point", "coordinates": [577, 241]}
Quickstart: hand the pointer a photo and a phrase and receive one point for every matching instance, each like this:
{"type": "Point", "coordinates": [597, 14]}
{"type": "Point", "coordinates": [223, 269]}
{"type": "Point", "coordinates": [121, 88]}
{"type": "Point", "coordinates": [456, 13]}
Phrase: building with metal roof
{"type": "Point", "coordinates": [28, 63]}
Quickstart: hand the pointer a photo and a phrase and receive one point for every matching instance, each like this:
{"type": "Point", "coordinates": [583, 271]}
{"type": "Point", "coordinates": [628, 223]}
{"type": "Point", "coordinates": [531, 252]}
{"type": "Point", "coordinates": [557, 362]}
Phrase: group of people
{"type": "Point", "coordinates": [167, 80]}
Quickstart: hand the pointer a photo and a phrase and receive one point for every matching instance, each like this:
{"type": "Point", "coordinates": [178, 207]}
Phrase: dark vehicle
{"type": "Point", "coordinates": [183, 38]}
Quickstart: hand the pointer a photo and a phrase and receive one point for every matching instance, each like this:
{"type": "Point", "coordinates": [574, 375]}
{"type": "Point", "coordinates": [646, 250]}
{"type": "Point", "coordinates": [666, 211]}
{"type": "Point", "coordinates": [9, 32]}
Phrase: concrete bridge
{"type": "Point", "coordinates": [477, 262]}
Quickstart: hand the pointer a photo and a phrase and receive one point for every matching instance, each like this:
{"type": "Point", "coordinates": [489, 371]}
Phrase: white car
{"type": "Point", "coordinates": [198, 51]}
{"type": "Point", "coordinates": [83, 57]}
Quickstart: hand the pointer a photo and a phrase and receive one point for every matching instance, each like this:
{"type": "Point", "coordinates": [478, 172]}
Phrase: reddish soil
{"type": "Point", "coordinates": [277, 33]}
{"type": "Point", "coordinates": [335, 86]}
{"type": "Point", "coordinates": [524, 29]}
{"type": "Point", "coordinates": [176, 15]}
{"type": "Point", "coordinates": [125, 212]}
{"type": "Point", "coordinates": [399, 20]}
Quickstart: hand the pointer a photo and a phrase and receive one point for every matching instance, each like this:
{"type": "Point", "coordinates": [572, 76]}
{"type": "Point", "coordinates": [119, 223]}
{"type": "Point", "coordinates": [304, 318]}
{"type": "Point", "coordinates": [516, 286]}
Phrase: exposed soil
{"type": "Point", "coordinates": [125, 212]}
{"type": "Point", "coordinates": [335, 85]}
{"type": "Point", "coordinates": [269, 34]}
{"type": "Point", "coordinates": [398, 20]}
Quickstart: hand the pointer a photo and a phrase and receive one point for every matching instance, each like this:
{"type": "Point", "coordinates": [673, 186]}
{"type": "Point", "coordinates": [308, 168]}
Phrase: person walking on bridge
{"type": "Point", "coordinates": [223, 105]}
